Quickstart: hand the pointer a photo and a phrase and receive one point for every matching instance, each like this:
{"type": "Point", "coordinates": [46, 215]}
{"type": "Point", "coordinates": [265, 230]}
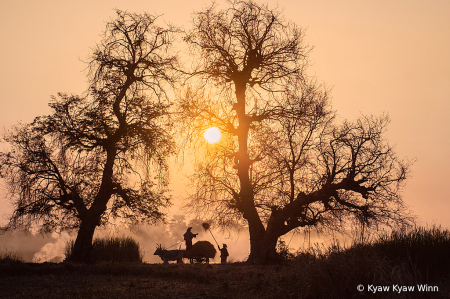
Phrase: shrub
{"type": "Point", "coordinates": [411, 257]}
{"type": "Point", "coordinates": [11, 258]}
{"type": "Point", "coordinates": [424, 250]}
{"type": "Point", "coordinates": [112, 250]}
{"type": "Point", "coordinates": [283, 250]}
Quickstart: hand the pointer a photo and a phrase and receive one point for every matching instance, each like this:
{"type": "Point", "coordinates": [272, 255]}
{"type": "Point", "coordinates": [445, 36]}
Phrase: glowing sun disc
{"type": "Point", "coordinates": [212, 135]}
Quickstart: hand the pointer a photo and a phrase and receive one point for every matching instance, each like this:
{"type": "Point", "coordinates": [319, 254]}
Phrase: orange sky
{"type": "Point", "coordinates": [379, 56]}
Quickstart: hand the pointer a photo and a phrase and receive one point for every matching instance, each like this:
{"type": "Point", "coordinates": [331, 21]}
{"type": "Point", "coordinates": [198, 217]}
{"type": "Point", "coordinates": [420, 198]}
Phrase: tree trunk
{"type": "Point", "coordinates": [262, 244]}
{"type": "Point", "coordinates": [82, 249]}
{"type": "Point", "coordinates": [263, 250]}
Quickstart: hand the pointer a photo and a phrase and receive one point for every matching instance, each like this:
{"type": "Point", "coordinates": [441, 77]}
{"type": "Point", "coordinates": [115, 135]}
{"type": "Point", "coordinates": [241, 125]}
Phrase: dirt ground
{"type": "Point", "coordinates": [139, 281]}
{"type": "Point", "coordinates": [238, 280]}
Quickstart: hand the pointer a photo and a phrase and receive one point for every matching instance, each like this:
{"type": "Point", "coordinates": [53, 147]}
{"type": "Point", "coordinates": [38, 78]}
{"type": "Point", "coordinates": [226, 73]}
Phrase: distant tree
{"type": "Point", "coordinates": [283, 162]}
{"type": "Point", "coordinates": [102, 155]}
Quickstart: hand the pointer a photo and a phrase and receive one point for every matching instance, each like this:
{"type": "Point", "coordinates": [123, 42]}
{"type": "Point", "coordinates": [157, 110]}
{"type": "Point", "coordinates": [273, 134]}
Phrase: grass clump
{"type": "Point", "coordinates": [11, 258]}
{"type": "Point", "coordinates": [112, 250]}
{"type": "Point", "coordinates": [283, 251]}
{"type": "Point", "coordinates": [425, 251]}
{"type": "Point", "coordinates": [408, 258]}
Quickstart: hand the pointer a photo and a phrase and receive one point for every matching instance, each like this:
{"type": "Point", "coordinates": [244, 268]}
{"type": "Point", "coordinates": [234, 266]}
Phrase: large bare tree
{"type": "Point", "coordinates": [102, 155]}
{"type": "Point", "coordinates": [283, 162]}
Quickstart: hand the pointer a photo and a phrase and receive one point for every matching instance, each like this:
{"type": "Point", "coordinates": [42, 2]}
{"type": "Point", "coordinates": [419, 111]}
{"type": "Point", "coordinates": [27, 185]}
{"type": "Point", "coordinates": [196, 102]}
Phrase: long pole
{"type": "Point", "coordinates": [213, 237]}
{"type": "Point", "coordinates": [207, 227]}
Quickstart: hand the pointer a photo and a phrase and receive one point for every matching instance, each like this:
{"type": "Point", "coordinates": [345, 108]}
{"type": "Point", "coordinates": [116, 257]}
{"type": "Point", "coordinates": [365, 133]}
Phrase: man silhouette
{"type": "Point", "coordinates": [188, 236]}
{"type": "Point", "coordinates": [223, 254]}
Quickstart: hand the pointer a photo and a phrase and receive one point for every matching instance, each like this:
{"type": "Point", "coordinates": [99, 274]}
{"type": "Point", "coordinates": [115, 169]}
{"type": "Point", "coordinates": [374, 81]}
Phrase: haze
{"type": "Point", "coordinates": [378, 57]}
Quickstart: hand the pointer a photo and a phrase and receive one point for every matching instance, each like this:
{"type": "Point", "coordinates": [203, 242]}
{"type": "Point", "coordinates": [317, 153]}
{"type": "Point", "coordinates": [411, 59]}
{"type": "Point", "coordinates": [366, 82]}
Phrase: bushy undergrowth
{"type": "Point", "coordinates": [8, 257]}
{"type": "Point", "coordinates": [418, 256]}
{"type": "Point", "coordinates": [112, 250]}
{"type": "Point", "coordinates": [425, 251]}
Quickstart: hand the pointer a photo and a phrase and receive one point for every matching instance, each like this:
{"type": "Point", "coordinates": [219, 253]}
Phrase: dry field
{"type": "Point", "coordinates": [182, 281]}
{"type": "Point", "coordinates": [420, 257]}
{"type": "Point", "coordinates": [145, 281]}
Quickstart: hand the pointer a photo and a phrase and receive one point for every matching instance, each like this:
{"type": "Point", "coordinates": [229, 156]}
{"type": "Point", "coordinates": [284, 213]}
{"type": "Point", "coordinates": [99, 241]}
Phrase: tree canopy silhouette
{"type": "Point", "coordinates": [284, 161]}
{"type": "Point", "coordinates": [102, 155]}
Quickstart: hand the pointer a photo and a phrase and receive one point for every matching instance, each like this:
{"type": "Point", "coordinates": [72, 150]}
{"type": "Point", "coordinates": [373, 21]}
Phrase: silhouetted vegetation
{"type": "Point", "coordinates": [112, 250]}
{"type": "Point", "coordinates": [284, 161]}
{"type": "Point", "coordinates": [8, 257]}
{"type": "Point", "coordinates": [417, 256]}
{"type": "Point", "coordinates": [283, 251]}
{"type": "Point", "coordinates": [106, 150]}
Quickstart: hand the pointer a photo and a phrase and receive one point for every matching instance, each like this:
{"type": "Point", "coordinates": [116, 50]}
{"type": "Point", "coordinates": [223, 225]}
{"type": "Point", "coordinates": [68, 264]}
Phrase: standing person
{"type": "Point", "coordinates": [188, 236]}
{"type": "Point", "coordinates": [223, 254]}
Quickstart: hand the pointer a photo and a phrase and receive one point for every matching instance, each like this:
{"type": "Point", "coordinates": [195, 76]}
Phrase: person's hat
{"type": "Point", "coordinates": [224, 245]}
{"type": "Point", "coordinates": [189, 228]}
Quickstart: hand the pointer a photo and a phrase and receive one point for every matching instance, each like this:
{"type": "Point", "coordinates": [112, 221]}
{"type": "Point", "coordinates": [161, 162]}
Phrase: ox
{"type": "Point", "coordinates": [169, 255]}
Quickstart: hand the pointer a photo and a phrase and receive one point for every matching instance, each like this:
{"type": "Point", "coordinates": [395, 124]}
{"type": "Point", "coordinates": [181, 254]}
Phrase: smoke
{"type": "Point", "coordinates": [307, 239]}
{"type": "Point", "coordinates": [25, 243]}
{"type": "Point", "coordinates": [53, 251]}
{"type": "Point", "coordinates": [51, 248]}
{"type": "Point", "coordinates": [238, 244]}
{"type": "Point", "coordinates": [170, 236]}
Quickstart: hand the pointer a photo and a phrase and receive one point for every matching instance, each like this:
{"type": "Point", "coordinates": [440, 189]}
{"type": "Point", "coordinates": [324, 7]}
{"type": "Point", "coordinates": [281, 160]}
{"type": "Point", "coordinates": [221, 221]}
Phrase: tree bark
{"type": "Point", "coordinates": [262, 243]}
{"type": "Point", "coordinates": [263, 249]}
{"type": "Point", "coordinates": [82, 249]}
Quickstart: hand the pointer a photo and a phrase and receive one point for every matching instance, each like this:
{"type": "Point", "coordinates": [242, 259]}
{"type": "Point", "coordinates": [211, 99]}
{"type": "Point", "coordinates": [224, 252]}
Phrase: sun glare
{"type": "Point", "coordinates": [212, 135]}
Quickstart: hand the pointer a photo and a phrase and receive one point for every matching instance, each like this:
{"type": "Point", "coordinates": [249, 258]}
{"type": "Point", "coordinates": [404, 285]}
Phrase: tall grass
{"type": "Point", "coordinates": [112, 250]}
{"type": "Point", "coordinates": [417, 256]}
{"type": "Point", "coordinates": [426, 251]}
{"type": "Point", "coordinates": [8, 257]}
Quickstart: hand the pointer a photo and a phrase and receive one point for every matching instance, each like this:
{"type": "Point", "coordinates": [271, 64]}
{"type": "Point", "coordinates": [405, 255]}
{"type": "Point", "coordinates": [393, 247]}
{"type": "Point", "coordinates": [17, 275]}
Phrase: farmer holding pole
{"type": "Point", "coordinates": [188, 236]}
{"type": "Point", "coordinates": [223, 252]}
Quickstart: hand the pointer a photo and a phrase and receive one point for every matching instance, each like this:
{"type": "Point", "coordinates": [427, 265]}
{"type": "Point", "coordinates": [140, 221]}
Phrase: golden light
{"type": "Point", "coordinates": [212, 135]}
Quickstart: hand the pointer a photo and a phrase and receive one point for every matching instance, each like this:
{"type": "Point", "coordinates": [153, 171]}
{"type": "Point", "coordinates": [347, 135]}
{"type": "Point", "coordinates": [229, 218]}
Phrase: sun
{"type": "Point", "coordinates": [212, 135]}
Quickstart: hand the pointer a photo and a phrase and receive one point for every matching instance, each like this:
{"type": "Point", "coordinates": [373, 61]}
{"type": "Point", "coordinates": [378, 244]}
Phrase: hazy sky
{"type": "Point", "coordinates": [378, 56]}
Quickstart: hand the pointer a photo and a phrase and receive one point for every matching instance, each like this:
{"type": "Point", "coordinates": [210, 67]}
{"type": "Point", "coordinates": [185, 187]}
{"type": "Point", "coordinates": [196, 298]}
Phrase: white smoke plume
{"type": "Point", "coordinates": [170, 236]}
{"type": "Point", "coordinates": [26, 244]}
{"type": "Point", "coordinates": [53, 251]}
{"type": "Point", "coordinates": [51, 248]}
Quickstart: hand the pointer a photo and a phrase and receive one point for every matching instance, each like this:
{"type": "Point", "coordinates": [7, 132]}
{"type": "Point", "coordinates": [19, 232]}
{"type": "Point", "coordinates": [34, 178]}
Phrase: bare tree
{"type": "Point", "coordinates": [96, 156]}
{"type": "Point", "coordinates": [283, 162]}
